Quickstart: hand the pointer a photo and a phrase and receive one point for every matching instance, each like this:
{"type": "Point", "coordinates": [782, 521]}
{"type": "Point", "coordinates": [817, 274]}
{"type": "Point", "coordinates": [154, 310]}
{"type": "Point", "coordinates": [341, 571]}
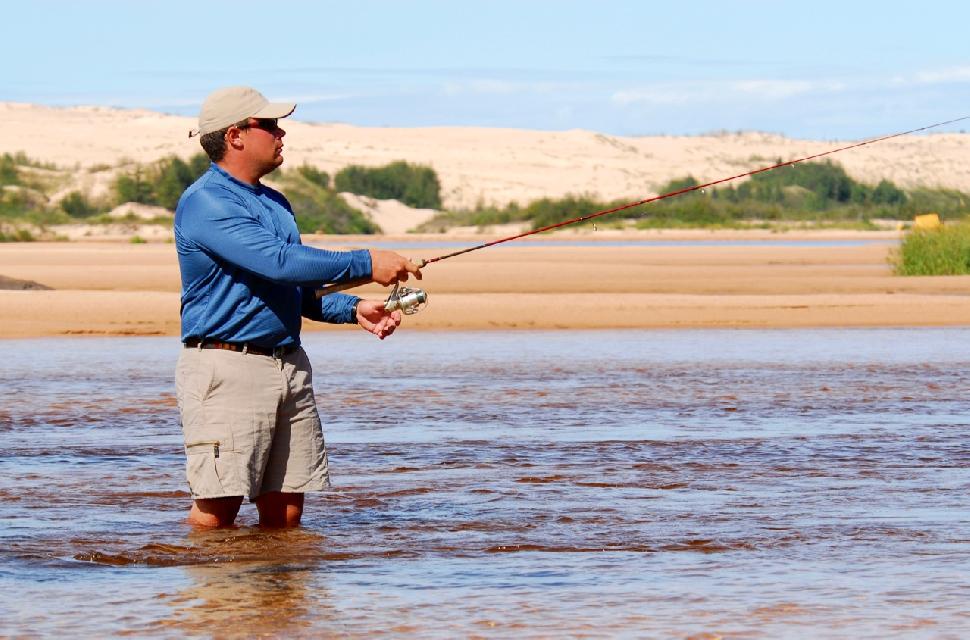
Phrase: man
{"type": "Point", "coordinates": [243, 382]}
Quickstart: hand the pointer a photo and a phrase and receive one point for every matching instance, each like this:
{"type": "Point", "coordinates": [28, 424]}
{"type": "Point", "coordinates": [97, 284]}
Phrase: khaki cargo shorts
{"type": "Point", "coordinates": [250, 423]}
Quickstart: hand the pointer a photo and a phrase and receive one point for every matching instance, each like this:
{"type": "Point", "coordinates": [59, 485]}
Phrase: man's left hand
{"type": "Point", "coordinates": [372, 317]}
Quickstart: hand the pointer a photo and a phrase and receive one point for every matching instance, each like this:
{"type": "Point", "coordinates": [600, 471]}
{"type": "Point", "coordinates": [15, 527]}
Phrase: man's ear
{"type": "Point", "coordinates": [234, 138]}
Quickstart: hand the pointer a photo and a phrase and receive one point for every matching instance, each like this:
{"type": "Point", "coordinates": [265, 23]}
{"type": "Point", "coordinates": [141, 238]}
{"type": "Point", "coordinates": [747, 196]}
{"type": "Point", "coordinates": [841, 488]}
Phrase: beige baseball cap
{"type": "Point", "coordinates": [230, 105]}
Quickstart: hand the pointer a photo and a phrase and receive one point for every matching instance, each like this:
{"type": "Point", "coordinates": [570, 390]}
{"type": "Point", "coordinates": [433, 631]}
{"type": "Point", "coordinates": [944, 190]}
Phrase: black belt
{"type": "Point", "coordinates": [241, 347]}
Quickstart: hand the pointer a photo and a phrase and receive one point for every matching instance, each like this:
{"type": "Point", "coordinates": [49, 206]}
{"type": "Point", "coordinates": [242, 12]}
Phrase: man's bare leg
{"type": "Point", "coordinates": [214, 512]}
{"type": "Point", "coordinates": [278, 510]}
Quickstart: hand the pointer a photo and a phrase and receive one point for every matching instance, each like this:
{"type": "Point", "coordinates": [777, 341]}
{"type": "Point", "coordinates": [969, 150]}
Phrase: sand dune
{"type": "Point", "coordinates": [478, 164]}
{"type": "Point", "coordinates": [392, 216]}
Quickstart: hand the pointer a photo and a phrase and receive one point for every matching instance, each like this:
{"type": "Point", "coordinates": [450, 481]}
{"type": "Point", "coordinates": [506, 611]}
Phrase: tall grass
{"type": "Point", "coordinates": [16, 235]}
{"type": "Point", "coordinates": [944, 251]}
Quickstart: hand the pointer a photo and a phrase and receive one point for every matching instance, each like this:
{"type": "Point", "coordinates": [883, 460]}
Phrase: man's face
{"type": "Point", "coordinates": [263, 139]}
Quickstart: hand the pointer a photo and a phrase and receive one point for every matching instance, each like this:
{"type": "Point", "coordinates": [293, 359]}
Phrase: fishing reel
{"type": "Point", "coordinates": [406, 300]}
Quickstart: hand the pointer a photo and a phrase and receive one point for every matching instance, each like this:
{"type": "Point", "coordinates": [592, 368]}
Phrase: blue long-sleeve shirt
{"type": "Point", "coordinates": [246, 277]}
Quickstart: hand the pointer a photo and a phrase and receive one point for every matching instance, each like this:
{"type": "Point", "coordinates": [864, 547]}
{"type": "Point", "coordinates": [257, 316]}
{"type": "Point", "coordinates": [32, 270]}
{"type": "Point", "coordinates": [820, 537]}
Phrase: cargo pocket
{"type": "Point", "coordinates": [201, 469]}
{"type": "Point", "coordinates": [209, 467]}
{"type": "Point", "coordinates": [209, 443]}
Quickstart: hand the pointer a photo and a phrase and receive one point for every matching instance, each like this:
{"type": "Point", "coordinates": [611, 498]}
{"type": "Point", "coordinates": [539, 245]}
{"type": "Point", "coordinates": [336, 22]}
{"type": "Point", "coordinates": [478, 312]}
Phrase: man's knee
{"type": "Point", "coordinates": [277, 509]}
{"type": "Point", "coordinates": [215, 512]}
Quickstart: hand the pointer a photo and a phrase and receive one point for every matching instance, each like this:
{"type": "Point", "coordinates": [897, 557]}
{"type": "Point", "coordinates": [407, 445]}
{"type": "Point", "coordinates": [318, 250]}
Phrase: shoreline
{"type": "Point", "coordinates": [138, 233]}
{"type": "Point", "coordinates": [123, 289]}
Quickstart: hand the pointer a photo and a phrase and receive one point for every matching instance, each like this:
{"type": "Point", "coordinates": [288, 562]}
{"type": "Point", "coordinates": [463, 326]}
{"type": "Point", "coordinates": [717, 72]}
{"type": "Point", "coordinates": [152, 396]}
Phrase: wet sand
{"type": "Point", "coordinates": [570, 282]}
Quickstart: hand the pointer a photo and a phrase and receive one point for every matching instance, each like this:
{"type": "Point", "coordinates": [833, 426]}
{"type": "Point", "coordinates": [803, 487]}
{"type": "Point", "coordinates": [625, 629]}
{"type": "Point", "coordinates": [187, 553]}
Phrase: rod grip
{"type": "Point", "coordinates": [342, 286]}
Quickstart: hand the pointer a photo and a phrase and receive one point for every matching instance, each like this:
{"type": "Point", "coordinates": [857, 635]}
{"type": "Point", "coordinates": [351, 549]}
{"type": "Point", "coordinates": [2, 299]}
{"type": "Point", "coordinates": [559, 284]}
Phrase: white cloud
{"type": "Point", "coordinates": [948, 75]}
{"type": "Point", "coordinates": [314, 98]}
{"type": "Point", "coordinates": [721, 91]}
{"type": "Point", "coordinates": [773, 89]}
{"type": "Point", "coordinates": [493, 87]}
{"type": "Point", "coordinates": [486, 86]}
{"type": "Point", "coordinates": [662, 95]}
{"type": "Point", "coordinates": [781, 89]}
{"type": "Point", "coordinates": [943, 76]}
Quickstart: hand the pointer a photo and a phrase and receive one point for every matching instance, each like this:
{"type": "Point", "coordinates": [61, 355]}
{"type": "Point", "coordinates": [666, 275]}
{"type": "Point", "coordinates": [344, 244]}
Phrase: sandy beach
{"type": "Point", "coordinates": [712, 280]}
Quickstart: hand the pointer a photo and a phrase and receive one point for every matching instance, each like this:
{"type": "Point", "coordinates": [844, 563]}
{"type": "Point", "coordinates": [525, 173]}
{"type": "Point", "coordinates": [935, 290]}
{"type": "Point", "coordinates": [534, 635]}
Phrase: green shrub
{"type": "Point", "coordinates": [76, 205]}
{"type": "Point", "coordinates": [414, 185]}
{"type": "Point", "coordinates": [811, 186]}
{"type": "Point", "coordinates": [827, 181]}
{"type": "Point", "coordinates": [548, 211]}
{"type": "Point", "coordinates": [819, 194]}
{"type": "Point", "coordinates": [9, 173]}
{"type": "Point", "coordinates": [887, 193]}
{"type": "Point", "coordinates": [22, 159]}
{"type": "Point", "coordinates": [314, 175]}
{"type": "Point", "coordinates": [321, 210]}
{"type": "Point", "coordinates": [18, 202]}
{"type": "Point", "coordinates": [173, 177]}
{"type": "Point", "coordinates": [134, 187]}
{"type": "Point", "coordinates": [949, 203]}
{"type": "Point", "coordinates": [16, 235]}
{"type": "Point", "coordinates": [678, 184]}
{"type": "Point", "coordinates": [161, 183]}
{"type": "Point", "coordinates": [934, 252]}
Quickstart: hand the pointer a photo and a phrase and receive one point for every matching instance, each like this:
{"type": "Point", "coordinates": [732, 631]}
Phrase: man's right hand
{"type": "Point", "coordinates": [388, 268]}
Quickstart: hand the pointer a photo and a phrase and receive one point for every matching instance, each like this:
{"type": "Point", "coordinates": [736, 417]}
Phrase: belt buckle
{"type": "Point", "coordinates": [279, 352]}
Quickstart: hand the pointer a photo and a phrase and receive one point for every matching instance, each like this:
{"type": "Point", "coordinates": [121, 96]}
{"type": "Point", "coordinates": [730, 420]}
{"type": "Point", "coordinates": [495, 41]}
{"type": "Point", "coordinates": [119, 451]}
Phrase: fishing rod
{"type": "Point", "coordinates": [410, 301]}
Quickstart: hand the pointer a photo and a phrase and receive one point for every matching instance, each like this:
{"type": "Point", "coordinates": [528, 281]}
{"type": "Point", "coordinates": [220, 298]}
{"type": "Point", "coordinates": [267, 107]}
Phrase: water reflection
{"type": "Point", "coordinates": [241, 583]}
{"type": "Point", "coordinates": [246, 599]}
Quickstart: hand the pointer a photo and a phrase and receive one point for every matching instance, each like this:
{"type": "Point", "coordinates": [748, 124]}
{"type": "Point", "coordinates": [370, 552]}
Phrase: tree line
{"type": "Point", "coordinates": [810, 191]}
{"type": "Point", "coordinates": [315, 198]}
{"type": "Point", "coordinates": [318, 207]}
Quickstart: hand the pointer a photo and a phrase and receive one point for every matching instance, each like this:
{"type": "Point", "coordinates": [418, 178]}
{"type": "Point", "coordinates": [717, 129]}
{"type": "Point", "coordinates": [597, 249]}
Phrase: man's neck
{"type": "Point", "coordinates": [240, 171]}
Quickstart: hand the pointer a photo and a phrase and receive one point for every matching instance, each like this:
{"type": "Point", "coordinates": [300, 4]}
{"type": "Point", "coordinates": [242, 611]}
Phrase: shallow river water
{"type": "Point", "coordinates": [658, 484]}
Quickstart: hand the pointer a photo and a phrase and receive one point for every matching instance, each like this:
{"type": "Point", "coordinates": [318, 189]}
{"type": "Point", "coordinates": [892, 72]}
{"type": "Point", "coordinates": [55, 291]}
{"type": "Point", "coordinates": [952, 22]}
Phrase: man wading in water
{"type": "Point", "coordinates": [242, 381]}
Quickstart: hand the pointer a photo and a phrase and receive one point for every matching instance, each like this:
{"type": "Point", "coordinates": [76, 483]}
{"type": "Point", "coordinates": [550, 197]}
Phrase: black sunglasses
{"type": "Point", "coordinates": [270, 125]}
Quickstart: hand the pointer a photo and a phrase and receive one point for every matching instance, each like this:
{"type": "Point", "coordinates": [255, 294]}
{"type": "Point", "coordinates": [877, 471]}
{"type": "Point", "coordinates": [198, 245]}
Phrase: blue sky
{"type": "Point", "coordinates": [820, 69]}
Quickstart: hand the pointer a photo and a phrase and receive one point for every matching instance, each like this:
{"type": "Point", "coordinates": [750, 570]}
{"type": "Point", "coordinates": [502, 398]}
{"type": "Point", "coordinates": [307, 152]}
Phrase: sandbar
{"type": "Point", "coordinates": [702, 281]}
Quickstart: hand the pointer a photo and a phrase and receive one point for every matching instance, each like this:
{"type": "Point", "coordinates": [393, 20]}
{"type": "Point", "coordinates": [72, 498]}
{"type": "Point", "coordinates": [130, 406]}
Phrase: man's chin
{"type": "Point", "coordinates": [273, 166]}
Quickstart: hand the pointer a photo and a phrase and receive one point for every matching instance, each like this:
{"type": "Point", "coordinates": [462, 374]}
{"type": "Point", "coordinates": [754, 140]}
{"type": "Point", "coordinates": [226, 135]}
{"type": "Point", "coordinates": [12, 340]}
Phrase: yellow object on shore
{"type": "Point", "coordinates": [927, 221]}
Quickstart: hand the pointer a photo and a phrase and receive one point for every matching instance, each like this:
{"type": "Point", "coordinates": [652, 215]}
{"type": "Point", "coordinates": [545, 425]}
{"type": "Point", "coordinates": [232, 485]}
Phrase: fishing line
{"type": "Point", "coordinates": [683, 191]}
{"type": "Point", "coordinates": [403, 293]}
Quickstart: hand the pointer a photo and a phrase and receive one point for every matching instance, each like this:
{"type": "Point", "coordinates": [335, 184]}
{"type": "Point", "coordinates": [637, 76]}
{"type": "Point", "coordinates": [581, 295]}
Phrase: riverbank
{"type": "Point", "coordinates": [591, 281]}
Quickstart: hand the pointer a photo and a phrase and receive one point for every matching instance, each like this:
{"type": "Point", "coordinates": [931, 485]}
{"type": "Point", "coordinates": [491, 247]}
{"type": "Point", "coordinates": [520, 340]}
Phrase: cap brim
{"type": "Point", "coordinates": [276, 110]}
